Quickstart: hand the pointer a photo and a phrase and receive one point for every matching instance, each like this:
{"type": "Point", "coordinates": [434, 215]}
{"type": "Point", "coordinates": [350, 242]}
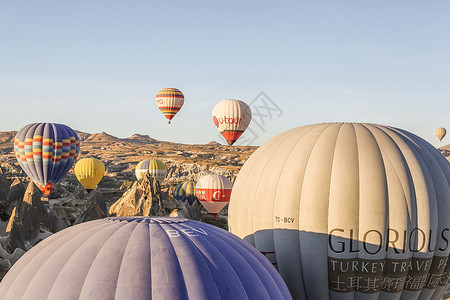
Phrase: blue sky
{"type": "Point", "coordinates": [97, 65]}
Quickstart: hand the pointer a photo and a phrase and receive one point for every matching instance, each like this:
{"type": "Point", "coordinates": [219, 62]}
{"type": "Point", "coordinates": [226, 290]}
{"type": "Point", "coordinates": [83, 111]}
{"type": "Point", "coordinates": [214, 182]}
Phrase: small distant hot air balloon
{"type": "Point", "coordinates": [440, 133]}
{"type": "Point", "coordinates": [185, 192]}
{"type": "Point", "coordinates": [169, 101]}
{"type": "Point", "coordinates": [46, 151]}
{"type": "Point", "coordinates": [156, 168]}
{"type": "Point", "coordinates": [213, 191]}
{"type": "Point", "coordinates": [89, 172]}
{"type": "Point", "coordinates": [231, 118]}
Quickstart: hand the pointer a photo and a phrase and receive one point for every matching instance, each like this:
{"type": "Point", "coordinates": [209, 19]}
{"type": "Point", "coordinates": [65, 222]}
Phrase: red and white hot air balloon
{"type": "Point", "coordinates": [231, 118]}
{"type": "Point", "coordinates": [169, 101]}
{"type": "Point", "coordinates": [213, 191]}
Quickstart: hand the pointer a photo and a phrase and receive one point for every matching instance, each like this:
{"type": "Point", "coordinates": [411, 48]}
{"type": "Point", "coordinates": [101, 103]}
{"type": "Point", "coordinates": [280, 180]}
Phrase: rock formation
{"type": "Point", "coordinates": [96, 210]}
{"type": "Point", "coordinates": [142, 199]}
{"type": "Point", "coordinates": [29, 222]}
{"type": "Point", "coordinates": [4, 191]}
{"type": "Point", "coordinates": [15, 196]}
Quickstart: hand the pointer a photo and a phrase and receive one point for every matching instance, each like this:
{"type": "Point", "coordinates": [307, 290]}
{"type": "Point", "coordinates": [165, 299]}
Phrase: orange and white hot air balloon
{"type": "Point", "coordinates": [213, 191]}
{"type": "Point", "coordinates": [231, 118]}
{"type": "Point", "coordinates": [169, 101]}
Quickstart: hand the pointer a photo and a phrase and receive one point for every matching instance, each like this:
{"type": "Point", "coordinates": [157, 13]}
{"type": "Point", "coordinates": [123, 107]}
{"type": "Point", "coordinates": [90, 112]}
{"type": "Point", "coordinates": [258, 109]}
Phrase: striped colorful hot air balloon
{"type": "Point", "coordinates": [156, 168]}
{"type": "Point", "coordinates": [185, 192]}
{"type": "Point", "coordinates": [89, 172]}
{"type": "Point", "coordinates": [231, 118]}
{"type": "Point", "coordinates": [213, 191]}
{"type": "Point", "coordinates": [46, 151]}
{"type": "Point", "coordinates": [169, 101]}
{"type": "Point", "coordinates": [440, 133]}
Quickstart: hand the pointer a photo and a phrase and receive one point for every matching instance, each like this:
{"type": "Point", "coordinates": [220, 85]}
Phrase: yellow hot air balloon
{"type": "Point", "coordinates": [231, 118]}
{"type": "Point", "coordinates": [89, 172]}
{"type": "Point", "coordinates": [440, 133]}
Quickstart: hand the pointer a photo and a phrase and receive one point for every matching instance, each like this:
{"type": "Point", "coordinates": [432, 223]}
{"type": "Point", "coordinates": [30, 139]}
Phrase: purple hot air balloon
{"type": "Point", "coordinates": [46, 151]}
{"type": "Point", "coordinates": [143, 258]}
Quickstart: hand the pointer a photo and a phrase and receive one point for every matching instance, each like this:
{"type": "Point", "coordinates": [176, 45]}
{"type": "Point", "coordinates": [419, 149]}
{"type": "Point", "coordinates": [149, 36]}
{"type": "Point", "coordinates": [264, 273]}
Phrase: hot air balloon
{"type": "Point", "coordinates": [46, 151]}
{"type": "Point", "coordinates": [348, 211]}
{"type": "Point", "coordinates": [213, 191]}
{"type": "Point", "coordinates": [440, 133]}
{"type": "Point", "coordinates": [156, 168]}
{"type": "Point", "coordinates": [89, 172]}
{"type": "Point", "coordinates": [143, 258]}
{"type": "Point", "coordinates": [231, 118]}
{"type": "Point", "coordinates": [185, 192]}
{"type": "Point", "coordinates": [169, 101]}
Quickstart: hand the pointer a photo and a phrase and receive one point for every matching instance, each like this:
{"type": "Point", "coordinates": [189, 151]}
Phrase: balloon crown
{"type": "Point", "coordinates": [148, 220]}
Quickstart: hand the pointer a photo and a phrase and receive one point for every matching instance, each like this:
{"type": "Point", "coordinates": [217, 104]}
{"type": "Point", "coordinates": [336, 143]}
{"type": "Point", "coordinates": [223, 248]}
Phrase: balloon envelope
{"type": "Point", "coordinates": [185, 192]}
{"type": "Point", "coordinates": [348, 211]}
{"type": "Point", "coordinates": [156, 168]}
{"type": "Point", "coordinates": [231, 118]}
{"type": "Point", "coordinates": [46, 151]}
{"type": "Point", "coordinates": [143, 258]}
{"type": "Point", "coordinates": [89, 172]}
{"type": "Point", "coordinates": [213, 191]}
{"type": "Point", "coordinates": [169, 102]}
{"type": "Point", "coordinates": [440, 133]}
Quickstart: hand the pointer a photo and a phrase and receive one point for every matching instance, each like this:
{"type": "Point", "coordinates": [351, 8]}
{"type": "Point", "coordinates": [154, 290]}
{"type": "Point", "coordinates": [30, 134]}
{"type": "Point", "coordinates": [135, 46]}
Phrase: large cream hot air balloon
{"type": "Point", "coordinates": [440, 133]}
{"type": "Point", "coordinates": [89, 172]}
{"type": "Point", "coordinates": [213, 191]}
{"type": "Point", "coordinates": [348, 211]}
{"type": "Point", "coordinates": [231, 118]}
{"type": "Point", "coordinates": [169, 101]}
{"type": "Point", "coordinates": [156, 168]}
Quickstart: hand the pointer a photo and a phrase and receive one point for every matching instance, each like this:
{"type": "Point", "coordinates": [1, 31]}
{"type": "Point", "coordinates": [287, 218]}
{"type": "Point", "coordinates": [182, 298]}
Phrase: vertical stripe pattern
{"type": "Point", "coordinates": [89, 172]}
{"type": "Point", "coordinates": [185, 192]}
{"type": "Point", "coordinates": [348, 211]}
{"type": "Point", "coordinates": [440, 133]}
{"type": "Point", "coordinates": [156, 168]}
{"type": "Point", "coordinates": [46, 151]}
{"type": "Point", "coordinates": [144, 258]}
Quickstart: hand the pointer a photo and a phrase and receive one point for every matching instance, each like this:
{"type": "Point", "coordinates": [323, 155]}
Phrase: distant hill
{"type": "Point", "coordinates": [120, 155]}
{"type": "Point", "coordinates": [82, 135]}
{"type": "Point", "coordinates": [101, 138]}
{"type": "Point", "coordinates": [141, 138]}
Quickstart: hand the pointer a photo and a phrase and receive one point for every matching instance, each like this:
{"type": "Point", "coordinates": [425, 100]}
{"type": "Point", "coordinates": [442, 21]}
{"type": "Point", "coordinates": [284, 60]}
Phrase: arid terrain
{"type": "Point", "coordinates": [25, 219]}
{"type": "Point", "coordinates": [121, 155]}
